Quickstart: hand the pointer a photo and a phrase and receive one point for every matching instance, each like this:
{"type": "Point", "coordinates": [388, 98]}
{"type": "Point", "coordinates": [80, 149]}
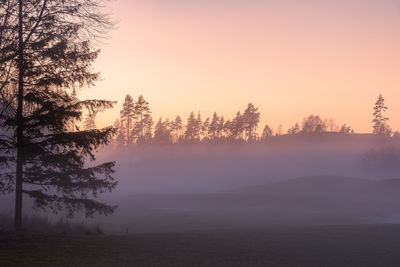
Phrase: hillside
{"type": "Point", "coordinates": [331, 185]}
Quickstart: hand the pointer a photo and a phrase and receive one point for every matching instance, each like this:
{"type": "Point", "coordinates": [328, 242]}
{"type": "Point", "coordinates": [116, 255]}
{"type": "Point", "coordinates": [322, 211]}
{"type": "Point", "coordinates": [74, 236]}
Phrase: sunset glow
{"type": "Point", "coordinates": [227, 133]}
{"type": "Point", "coordinates": [290, 58]}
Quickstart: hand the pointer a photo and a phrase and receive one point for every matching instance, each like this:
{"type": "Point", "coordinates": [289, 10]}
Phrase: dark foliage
{"type": "Point", "coordinates": [46, 51]}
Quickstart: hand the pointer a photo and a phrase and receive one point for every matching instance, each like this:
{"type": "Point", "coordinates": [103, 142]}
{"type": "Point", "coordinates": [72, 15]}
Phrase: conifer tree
{"type": "Point", "coordinates": [191, 125]}
{"type": "Point", "coordinates": [380, 121]}
{"type": "Point", "coordinates": [227, 129]}
{"type": "Point", "coordinates": [142, 130]}
{"type": "Point", "coordinates": [46, 50]}
{"type": "Point", "coordinates": [267, 132]}
{"type": "Point", "coordinates": [221, 131]}
{"type": "Point", "coordinates": [162, 132]}
{"type": "Point", "coordinates": [205, 128]}
{"type": "Point", "coordinates": [128, 116]}
{"type": "Point", "coordinates": [251, 118]}
{"type": "Point", "coordinates": [237, 126]}
{"type": "Point", "coordinates": [198, 127]}
{"type": "Point", "coordinates": [177, 128]}
{"type": "Point", "coordinates": [213, 129]}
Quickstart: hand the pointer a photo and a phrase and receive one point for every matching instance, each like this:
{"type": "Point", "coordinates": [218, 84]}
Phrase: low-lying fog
{"type": "Point", "coordinates": [287, 181]}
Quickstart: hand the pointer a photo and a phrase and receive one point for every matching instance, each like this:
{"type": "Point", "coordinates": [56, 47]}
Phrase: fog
{"type": "Point", "coordinates": [211, 168]}
{"type": "Point", "coordinates": [287, 181]}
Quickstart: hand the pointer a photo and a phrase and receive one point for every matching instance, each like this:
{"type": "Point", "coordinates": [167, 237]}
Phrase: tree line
{"type": "Point", "coordinates": [136, 126]}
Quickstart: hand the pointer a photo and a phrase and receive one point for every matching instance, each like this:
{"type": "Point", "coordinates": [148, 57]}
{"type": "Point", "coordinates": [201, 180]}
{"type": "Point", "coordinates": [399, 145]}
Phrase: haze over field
{"type": "Point", "coordinates": [303, 180]}
{"type": "Point", "coordinates": [199, 133]}
{"type": "Point", "coordinates": [320, 179]}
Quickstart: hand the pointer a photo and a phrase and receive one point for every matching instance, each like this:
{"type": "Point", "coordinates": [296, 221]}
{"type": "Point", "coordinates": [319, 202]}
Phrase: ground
{"type": "Point", "coordinates": [352, 245]}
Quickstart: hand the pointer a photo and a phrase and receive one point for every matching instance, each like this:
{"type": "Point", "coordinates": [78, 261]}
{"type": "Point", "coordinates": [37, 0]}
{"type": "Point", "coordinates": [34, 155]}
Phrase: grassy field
{"type": "Point", "coordinates": [362, 245]}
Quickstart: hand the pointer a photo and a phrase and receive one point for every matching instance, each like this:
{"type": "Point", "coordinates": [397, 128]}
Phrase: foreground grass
{"type": "Point", "coordinates": [364, 245]}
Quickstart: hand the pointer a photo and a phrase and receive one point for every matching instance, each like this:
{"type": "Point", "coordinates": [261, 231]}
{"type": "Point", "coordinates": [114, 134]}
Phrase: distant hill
{"type": "Point", "coordinates": [325, 185]}
{"type": "Point", "coordinates": [328, 137]}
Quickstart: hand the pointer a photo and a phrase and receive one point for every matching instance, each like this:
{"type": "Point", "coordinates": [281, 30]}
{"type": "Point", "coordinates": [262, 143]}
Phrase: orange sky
{"type": "Point", "coordinates": [290, 58]}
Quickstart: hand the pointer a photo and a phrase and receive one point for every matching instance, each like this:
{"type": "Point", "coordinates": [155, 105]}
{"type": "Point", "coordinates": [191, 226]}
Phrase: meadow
{"type": "Point", "coordinates": [346, 245]}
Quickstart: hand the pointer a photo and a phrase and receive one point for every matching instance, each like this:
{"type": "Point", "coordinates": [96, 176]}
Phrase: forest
{"type": "Point", "coordinates": [136, 126]}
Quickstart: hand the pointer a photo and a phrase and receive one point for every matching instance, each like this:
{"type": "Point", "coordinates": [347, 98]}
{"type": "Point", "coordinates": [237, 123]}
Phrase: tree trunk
{"type": "Point", "coordinates": [19, 130]}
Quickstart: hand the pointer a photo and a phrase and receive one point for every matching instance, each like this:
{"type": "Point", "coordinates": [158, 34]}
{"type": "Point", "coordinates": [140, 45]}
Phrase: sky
{"type": "Point", "coordinates": [290, 58]}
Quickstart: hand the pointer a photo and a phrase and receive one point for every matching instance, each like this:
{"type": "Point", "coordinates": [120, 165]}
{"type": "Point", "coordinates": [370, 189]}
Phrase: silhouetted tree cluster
{"type": "Point", "coordinates": [267, 132]}
{"type": "Point", "coordinates": [314, 124]}
{"type": "Point", "coordinates": [135, 126]}
{"type": "Point", "coordinates": [242, 127]}
{"type": "Point", "coordinates": [345, 129]}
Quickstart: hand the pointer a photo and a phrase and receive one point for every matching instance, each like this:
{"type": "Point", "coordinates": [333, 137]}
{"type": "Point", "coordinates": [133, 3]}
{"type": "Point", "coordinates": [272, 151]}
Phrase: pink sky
{"type": "Point", "coordinates": [290, 58]}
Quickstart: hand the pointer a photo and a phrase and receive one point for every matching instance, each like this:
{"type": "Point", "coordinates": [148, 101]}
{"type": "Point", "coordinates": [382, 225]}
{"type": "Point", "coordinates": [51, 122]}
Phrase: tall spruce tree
{"type": "Point", "coordinates": [142, 131]}
{"type": "Point", "coordinates": [205, 128]}
{"type": "Point", "coordinates": [251, 118]}
{"type": "Point", "coordinates": [127, 117]}
{"type": "Point", "coordinates": [213, 129]}
{"type": "Point", "coordinates": [237, 126]}
{"type": "Point", "coordinates": [177, 127]}
{"type": "Point", "coordinates": [380, 121]}
{"type": "Point", "coordinates": [45, 51]}
{"type": "Point", "coordinates": [191, 128]}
